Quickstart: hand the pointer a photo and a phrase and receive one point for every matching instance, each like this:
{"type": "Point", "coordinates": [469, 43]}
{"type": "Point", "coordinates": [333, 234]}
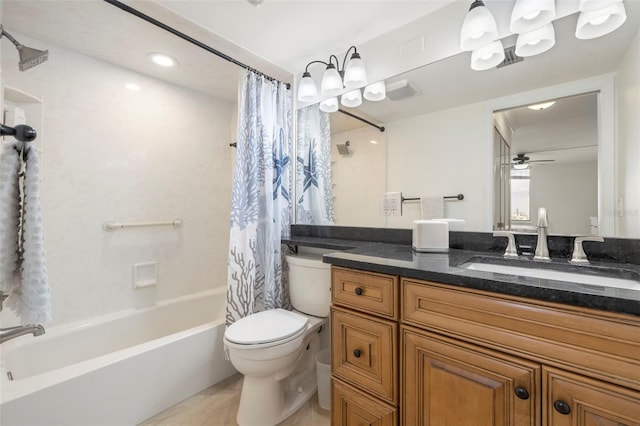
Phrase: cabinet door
{"type": "Point", "coordinates": [350, 407]}
{"type": "Point", "coordinates": [572, 400]}
{"type": "Point", "coordinates": [451, 383]}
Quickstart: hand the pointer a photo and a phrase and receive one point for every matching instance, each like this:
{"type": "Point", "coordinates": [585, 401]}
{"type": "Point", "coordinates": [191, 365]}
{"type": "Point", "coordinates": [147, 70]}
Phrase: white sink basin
{"type": "Point", "coordinates": [550, 274]}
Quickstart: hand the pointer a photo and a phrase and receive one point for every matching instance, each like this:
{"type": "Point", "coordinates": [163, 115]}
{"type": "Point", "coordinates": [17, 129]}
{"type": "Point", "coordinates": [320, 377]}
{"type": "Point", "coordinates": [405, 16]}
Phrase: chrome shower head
{"type": "Point", "coordinates": [29, 57]}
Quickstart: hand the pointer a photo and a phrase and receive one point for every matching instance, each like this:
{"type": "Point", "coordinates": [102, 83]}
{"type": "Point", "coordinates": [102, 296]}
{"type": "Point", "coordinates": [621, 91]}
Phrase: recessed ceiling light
{"type": "Point", "coordinates": [133, 87]}
{"type": "Point", "coordinates": [163, 60]}
{"type": "Point", "coordinates": [540, 107]}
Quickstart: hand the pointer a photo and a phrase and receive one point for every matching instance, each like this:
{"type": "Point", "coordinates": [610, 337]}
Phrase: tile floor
{"type": "Point", "coordinates": [217, 406]}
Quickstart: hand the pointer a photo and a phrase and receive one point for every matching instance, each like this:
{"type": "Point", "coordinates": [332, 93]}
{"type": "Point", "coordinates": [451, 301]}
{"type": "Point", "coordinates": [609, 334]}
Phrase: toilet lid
{"type": "Point", "coordinates": [265, 327]}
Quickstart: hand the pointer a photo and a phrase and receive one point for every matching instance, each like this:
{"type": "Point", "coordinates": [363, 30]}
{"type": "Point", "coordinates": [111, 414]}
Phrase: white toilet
{"type": "Point", "coordinates": [275, 350]}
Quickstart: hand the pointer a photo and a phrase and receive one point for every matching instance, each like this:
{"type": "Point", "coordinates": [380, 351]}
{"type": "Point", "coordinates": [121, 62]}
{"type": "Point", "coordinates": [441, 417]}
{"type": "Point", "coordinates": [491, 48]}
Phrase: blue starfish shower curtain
{"type": "Point", "coordinates": [314, 185]}
{"type": "Point", "coordinates": [260, 206]}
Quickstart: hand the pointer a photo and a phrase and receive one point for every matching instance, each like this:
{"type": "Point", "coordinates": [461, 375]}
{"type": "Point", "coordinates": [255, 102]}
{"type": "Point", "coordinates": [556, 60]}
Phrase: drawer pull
{"type": "Point", "coordinates": [358, 291]}
{"type": "Point", "coordinates": [562, 407]}
{"type": "Point", "coordinates": [357, 353]}
{"type": "Point", "coordinates": [521, 392]}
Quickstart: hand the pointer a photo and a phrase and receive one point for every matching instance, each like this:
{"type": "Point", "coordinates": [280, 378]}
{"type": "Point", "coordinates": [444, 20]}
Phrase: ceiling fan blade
{"type": "Point", "coordinates": [540, 161]}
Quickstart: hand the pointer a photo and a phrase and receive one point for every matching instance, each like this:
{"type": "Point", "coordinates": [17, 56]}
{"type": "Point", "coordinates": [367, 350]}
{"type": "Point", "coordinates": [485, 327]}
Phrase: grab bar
{"type": "Point", "coordinates": [112, 226]}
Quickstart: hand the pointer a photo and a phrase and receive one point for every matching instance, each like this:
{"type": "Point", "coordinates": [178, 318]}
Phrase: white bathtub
{"type": "Point", "coordinates": [118, 369]}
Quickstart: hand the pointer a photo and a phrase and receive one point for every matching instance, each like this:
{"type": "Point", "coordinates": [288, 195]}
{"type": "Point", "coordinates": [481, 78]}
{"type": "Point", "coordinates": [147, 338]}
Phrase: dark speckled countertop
{"type": "Point", "coordinates": [448, 268]}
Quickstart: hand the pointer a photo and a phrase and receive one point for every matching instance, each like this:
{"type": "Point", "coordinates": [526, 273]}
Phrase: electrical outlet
{"type": "Point", "coordinates": [392, 203]}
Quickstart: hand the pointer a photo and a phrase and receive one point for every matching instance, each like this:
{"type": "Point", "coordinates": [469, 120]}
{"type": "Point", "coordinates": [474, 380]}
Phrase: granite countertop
{"type": "Point", "coordinates": [402, 260]}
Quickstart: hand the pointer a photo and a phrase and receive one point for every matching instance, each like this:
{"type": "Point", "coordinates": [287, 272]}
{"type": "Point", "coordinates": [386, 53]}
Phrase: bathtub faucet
{"type": "Point", "coordinates": [13, 332]}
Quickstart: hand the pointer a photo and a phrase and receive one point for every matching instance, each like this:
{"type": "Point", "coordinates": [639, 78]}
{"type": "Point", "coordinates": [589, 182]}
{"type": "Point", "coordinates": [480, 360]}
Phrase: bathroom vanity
{"type": "Point", "coordinates": [419, 339]}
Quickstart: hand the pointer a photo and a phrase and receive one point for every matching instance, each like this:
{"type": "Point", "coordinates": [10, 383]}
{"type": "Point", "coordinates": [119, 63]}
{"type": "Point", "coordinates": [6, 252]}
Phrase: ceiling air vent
{"type": "Point", "coordinates": [510, 57]}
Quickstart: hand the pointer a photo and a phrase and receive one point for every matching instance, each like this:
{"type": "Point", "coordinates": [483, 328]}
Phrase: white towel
{"type": "Point", "coordinates": [432, 207]}
{"type": "Point", "coordinates": [9, 217]}
{"type": "Point", "coordinates": [31, 297]}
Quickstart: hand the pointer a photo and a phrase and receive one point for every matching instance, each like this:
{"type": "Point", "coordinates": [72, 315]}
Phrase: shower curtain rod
{"type": "Point", "coordinates": [191, 40]}
{"type": "Point", "coordinates": [381, 128]}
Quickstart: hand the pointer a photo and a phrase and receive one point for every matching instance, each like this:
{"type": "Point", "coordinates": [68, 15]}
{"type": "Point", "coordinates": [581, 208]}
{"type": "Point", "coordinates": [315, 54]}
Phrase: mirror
{"type": "Point", "coordinates": [440, 141]}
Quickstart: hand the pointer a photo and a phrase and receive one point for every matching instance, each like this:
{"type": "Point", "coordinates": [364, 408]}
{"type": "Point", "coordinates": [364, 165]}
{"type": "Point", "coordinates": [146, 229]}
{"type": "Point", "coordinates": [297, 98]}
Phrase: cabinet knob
{"type": "Point", "coordinates": [562, 407]}
{"type": "Point", "coordinates": [358, 291]}
{"type": "Point", "coordinates": [521, 392]}
{"type": "Point", "coordinates": [357, 353]}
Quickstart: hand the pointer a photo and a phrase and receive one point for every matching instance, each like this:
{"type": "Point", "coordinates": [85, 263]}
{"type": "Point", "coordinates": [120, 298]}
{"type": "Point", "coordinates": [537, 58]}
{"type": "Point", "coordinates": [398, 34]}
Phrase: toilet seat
{"type": "Point", "coordinates": [266, 328]}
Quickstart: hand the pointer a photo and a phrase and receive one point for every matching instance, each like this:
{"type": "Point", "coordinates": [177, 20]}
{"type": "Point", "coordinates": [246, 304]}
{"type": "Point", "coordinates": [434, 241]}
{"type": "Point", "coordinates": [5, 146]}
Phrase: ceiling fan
{"type": "Point", "coordinates": [521, 161]}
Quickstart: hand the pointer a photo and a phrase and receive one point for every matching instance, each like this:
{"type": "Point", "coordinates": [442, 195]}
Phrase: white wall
{"type": "Point", "coordinates": [628, 158]}
{"type": "Point", "coordinates": [440, 153]}
{"type": "Point", "coordinates": [359, 178]}
{"type": "Point", "coordinates": [113, 154]}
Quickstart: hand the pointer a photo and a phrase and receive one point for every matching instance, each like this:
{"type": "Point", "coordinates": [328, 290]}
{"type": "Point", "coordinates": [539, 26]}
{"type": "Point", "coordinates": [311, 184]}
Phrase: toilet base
{"type": "Point", "coordinates": [266, 402]}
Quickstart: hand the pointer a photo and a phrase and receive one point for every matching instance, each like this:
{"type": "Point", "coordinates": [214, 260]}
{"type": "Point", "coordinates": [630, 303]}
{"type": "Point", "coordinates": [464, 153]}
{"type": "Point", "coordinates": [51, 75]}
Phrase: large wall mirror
{"type": "Point", "coordinates": [445, 125]}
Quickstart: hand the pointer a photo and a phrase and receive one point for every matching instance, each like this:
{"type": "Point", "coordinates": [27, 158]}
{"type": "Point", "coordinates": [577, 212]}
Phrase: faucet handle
{"type": "Point", "coordinates": [511, 250]}
{"type": "Point", "coordinates": [579, 256]}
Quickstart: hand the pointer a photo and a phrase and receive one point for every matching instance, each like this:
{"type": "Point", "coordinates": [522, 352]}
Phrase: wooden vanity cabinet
{"type": "Point", "coordinates": [364, 348]}
{"type": "Point", "coordinates": [478, 358]}
{"type": "Point", "coordinates": [414, 352]}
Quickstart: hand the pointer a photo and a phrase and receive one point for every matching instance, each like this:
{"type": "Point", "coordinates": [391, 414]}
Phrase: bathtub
{"type": "Point", "coordinates": [118, 369]}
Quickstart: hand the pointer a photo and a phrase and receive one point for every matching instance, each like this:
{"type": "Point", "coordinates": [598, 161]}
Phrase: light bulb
{"type": "Point", "coordinates": [355, 74]}
{"type": "Point", "coordinates": [375, 91]}
{"type": "Point", "coordinates": [329, 105]}
{"type": "Point", "coordinates": [535, 42]}
{"type": "Point", "coordinates": [307, 89]}
{"type": "Point", "coordinates": [479, 27]}
{"type": "Point", "coordinates": [600, 22]}
{"type": "Point", "coordinates": [529, 15]}
{"type": "Point", "coordinates": [331, 82]}
{"type": "Point", "coordinates": [351, 99]}
{"type": "Point", "coordinates": [488, 56]}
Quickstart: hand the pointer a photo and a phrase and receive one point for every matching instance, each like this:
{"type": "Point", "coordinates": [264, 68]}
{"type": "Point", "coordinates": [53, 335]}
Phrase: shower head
{"type": "Point", "coordinates": [29, 57]}
{"type": "Point", "coordinates": [343, 149]}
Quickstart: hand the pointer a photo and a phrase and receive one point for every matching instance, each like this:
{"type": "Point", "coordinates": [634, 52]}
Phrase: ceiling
{"type": "Point", "coordinates": [297, 32]}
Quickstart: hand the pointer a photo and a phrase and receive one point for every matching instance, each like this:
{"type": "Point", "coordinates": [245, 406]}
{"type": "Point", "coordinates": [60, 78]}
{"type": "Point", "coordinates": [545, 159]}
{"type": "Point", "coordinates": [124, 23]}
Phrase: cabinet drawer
{"type": "Point", "coordinates": [369, 292]}
{"type": "Point", "coordinates": [599, 344]}
{"type": "Point", "coordinates": [350, 407]}
{"type": "Point", "coordinates": [572, 400]}
{"type": "Point", "coordinates": [364, 352]}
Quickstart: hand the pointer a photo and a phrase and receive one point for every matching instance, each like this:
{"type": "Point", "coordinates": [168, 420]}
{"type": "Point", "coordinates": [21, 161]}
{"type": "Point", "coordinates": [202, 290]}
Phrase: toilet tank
{"type": "Point", "coordinates": [309, 284]}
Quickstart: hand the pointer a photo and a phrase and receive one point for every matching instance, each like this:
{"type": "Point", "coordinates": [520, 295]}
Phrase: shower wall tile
{"type": "Point", "coordinates": [112, 154]}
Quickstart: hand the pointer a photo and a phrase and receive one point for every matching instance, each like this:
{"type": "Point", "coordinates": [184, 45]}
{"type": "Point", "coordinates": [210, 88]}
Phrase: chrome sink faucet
{"type": "Point", "coordinates": [511, 250]}
{"type": "Point", "coordinates": [579, 256]}
{"type": "Point", "coordinates": [542, 249]}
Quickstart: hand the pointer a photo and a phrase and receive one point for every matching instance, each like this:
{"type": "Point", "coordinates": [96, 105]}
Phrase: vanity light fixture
{"type": "Point", "coordinates": [542, 106]}
{"type": "Point", "coordinates": [352, 75]}
{"type": "Point", "coordinates": [487, 56]}
{"type": "Point", "coordinates": [529, 15]}
{"type": "Point", "coordinates": [596, 23]}
{"type": "Point", "coordinates": [375, 91]}
{"type": "Point", "coordinates": [479, 27]}
{"type": "Point", "coordinates": [536, 41]}
{"type": "Point", "coordinates": [163, 60]}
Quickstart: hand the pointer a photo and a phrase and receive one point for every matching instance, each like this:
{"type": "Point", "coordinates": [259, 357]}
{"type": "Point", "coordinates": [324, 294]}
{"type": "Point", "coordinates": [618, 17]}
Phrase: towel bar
{"type": "Point", "coordinates": [112, 226]}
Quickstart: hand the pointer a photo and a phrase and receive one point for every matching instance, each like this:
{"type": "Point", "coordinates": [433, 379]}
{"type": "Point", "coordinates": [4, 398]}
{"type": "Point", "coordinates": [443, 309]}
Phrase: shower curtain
{"type": "Point", "coordinates": [314, 185]}
{"type": "Point", "coordinates": [260, 206]}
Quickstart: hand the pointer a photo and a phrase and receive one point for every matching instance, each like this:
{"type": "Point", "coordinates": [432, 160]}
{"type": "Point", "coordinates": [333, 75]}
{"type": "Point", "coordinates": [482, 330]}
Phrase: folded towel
{"type": "Point", "coordinates": [9, 217]}
{"type": "Point", "coordinates": [432, 207]}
